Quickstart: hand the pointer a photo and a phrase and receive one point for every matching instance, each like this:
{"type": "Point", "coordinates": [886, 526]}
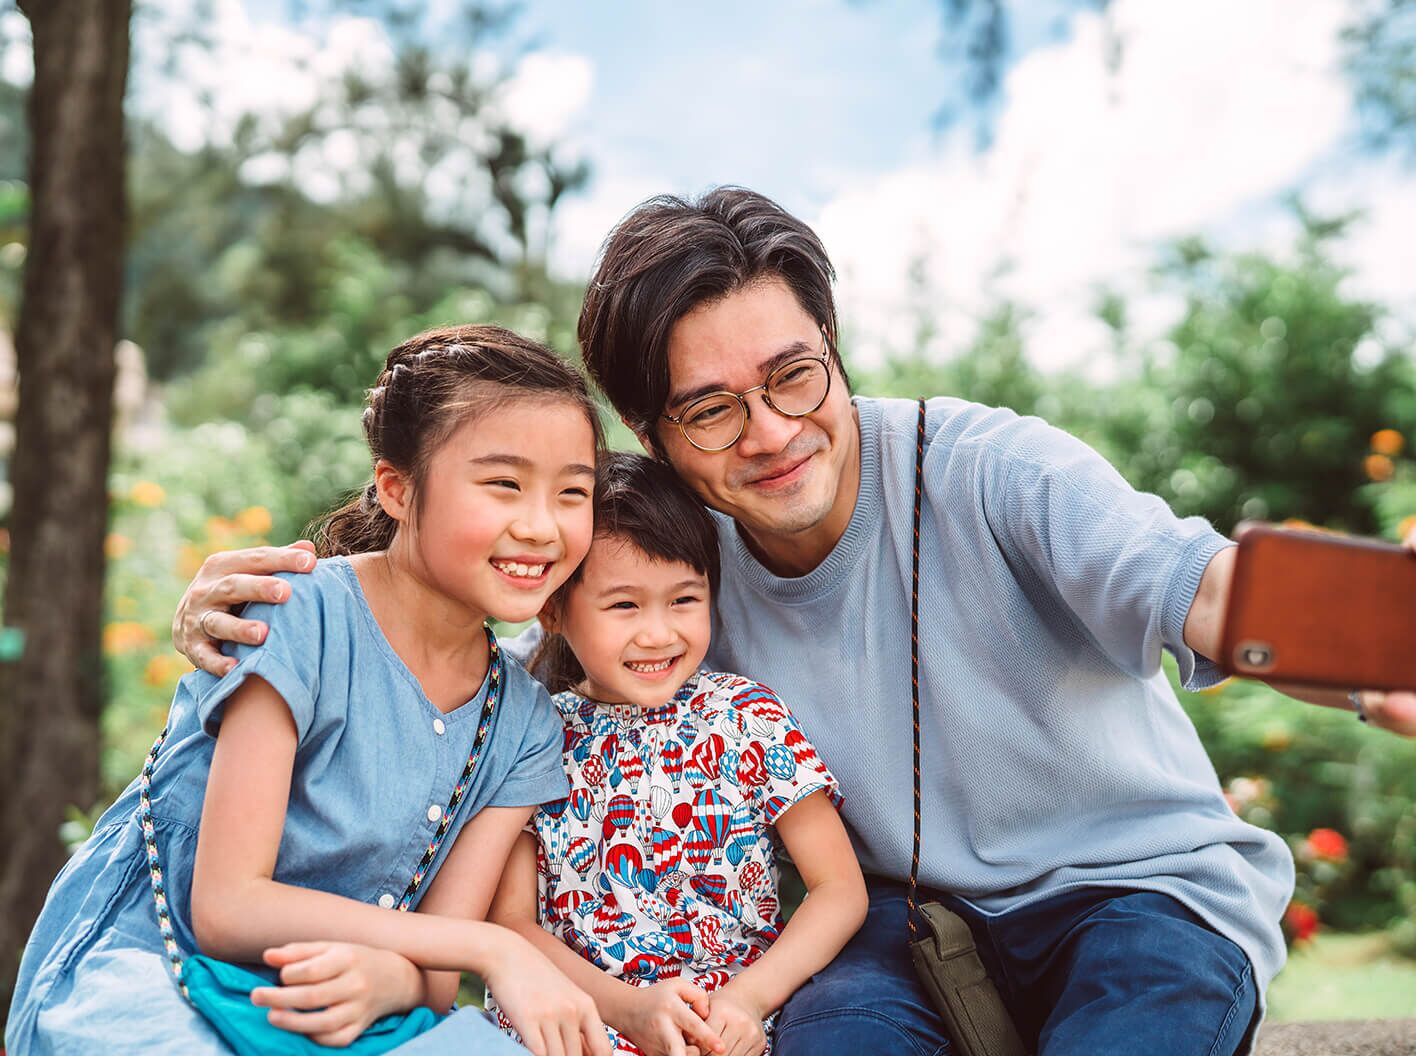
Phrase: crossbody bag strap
{"type": "Point", "coordinates": [914, 661]}
{"type": "Point", "coordinates": [495, 677]}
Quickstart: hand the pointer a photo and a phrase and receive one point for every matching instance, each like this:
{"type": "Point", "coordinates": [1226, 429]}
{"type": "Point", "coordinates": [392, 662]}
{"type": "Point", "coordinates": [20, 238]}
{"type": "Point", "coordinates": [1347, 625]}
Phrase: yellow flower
{"type": "Point", "coordinates": [189, 560]}
{"type": "Point", "coordinates": [254, 520]}
{"type": "Point", "coordinates": [116, 546]}
{"type": "Point", "coordinates": [1388, 442]}
{"type": "Point", "coordinates": [147, 493]}
{"type": "Point", "coordinates": [219, 529]}
{"type": "Point", "coordinates": [1277, 738]}
{"type": "Point", "coordinates": [1378, 467]}
{"type": "Point", "coordinates": [1406, 527]}
{"type": "Point", "coordinates": [125, 606]}
{"type": "Point", "coordinates": [164, 670]}
{"type": "Point", "coordinates": [125, 636]}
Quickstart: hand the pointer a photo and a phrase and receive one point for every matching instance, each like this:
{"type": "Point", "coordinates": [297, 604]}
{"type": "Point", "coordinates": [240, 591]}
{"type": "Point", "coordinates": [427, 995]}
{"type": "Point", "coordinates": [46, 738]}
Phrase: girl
{"type": "Point", "coordinates": [655, 882]}
{"type": "Point", "coordinates": [300, 799]}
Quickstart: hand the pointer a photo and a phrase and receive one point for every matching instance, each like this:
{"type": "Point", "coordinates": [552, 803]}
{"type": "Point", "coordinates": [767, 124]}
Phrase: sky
{"type": "Point", "coordinates": [1111, 137]}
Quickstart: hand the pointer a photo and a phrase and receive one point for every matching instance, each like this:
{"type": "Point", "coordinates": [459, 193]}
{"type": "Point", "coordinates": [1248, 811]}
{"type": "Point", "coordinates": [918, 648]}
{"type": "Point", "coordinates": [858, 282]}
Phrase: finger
{"type": "Point", "coordinates": [208, 657]}
{"type": "Point", "coordinates": [324, 994]}
{"type": "Point", "coordinates": [290, 952]}
{"type": "Point", "coordinates": [339, 1039]}
{"type": "Point", "coordinates": [694, 996]}
{"type": "Point", "coordinates": [325, 1021]}
{"type": "Point", "coordinates": [238, 588]}
{"type": "Point", "coordinates": [705, 1035]}
{"type": "Point", "coordinates": [596, 1038]}
{"type": "Point", "coordinates": [570, 1037]}
{"type": "Point", "coordinates": [261, 560]}
{"type": "Point", "coordinates": [302, 544]}
{"type": "Point", "coordinates": [319, 967]}
{"type": "Point", "coordinates": [551, 1042]}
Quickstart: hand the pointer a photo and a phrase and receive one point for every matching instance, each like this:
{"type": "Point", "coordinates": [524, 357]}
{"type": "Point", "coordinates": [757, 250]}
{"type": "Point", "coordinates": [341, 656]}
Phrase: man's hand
{"type": "Point", "coordinates": [1394, 711]}
{"type": "Point", "coordinates": [225, 580]}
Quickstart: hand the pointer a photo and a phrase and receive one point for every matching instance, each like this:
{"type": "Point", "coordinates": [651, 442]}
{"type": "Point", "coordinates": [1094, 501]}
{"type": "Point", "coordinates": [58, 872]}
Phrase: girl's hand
{"type": "Point", "coordinates": [553, 1016]}
{"type": "Point", "coordinates": [738, 1020]}
{"type": "Point", "coordinates": [332, 991]}
{"type": "Point", "coordinates": [666, 1019]}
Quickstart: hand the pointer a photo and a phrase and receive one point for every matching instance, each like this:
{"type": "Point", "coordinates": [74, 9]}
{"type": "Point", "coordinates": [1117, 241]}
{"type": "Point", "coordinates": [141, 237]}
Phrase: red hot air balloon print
{"type": "Point", "coordinates": [581, 854]}
{"type": "Point", "coordinates": [581, 800]}
{"type": "Point", "coordinates": [704, 759]}
{"type": "Point", "coordinates": [666, 851]}
{"type": "Point", "coordinates": [619, 812]}
{"type": "Point", "coordinates": [698, 848]}
{"type": "Point", "coordinates": [594, 772]}
{"type": "Point", "coordinates": [751, 767]}
{"type": "Point", "coordinates": [711, 816]}
{"type": "Point", "coordinates": [803, 752]}
{"type": "Point", "coordinates": [624, 863]}
{"type": "Point", "coordinates": [671, 762]}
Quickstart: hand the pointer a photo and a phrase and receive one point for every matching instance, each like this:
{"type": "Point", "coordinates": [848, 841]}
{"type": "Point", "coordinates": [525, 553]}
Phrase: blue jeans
{"type": "Point", "coordinates": [1089, 972]}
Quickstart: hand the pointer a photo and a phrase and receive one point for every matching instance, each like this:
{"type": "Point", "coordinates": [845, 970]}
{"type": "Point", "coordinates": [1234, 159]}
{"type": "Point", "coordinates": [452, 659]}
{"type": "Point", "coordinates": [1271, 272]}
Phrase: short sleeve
{"type": "Point", "coordinates": [1125, 565]}
{"type": "Point", "coordinates": [793, 769]}
{"type": "Point", "coordinates": [289, 659]}
{"type": "Point", "coordinates": [537, 774]}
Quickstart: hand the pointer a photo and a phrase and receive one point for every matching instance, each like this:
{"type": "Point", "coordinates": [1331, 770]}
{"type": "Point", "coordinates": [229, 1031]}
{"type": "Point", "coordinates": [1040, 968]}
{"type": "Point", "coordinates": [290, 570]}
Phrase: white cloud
{"type": "Point", "coordinates": [544, 94]}
{"type": "Point", "coordinates": [1213, 111]}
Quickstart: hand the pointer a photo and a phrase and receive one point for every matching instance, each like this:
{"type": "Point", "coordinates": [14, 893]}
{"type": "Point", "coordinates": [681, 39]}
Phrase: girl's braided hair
{"type": "Point", "coordinates": [430, 385]}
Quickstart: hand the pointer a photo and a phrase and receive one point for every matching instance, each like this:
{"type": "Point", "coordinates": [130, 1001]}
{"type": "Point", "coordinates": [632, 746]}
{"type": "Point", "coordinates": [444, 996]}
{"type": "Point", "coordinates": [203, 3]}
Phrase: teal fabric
{"type": "Point", "coordinates": [222, 993]}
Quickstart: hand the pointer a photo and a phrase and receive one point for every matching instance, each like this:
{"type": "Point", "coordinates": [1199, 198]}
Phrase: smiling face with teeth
{"type": "Point", "coordinates": [639, 626]}
{"type": "Point", "coordinates": [504, 513]}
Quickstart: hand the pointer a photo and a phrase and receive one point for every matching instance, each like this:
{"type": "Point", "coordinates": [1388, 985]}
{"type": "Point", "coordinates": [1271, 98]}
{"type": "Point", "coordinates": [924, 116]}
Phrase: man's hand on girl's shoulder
{"type": "Point", "coordinates": [227, 579]}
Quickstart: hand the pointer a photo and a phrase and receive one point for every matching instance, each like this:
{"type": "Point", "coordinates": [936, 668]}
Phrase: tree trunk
{"type": "Point", "coordinates": [51, 697]}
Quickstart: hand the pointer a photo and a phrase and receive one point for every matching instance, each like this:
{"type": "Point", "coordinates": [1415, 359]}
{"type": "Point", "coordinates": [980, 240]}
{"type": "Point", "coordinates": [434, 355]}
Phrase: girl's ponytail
{"type": "Point", "coordinates": [358, 527]}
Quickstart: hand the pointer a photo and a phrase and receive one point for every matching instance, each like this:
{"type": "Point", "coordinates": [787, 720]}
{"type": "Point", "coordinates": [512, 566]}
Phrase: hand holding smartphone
{"type": "Point", "coordinates": [1315, 609]}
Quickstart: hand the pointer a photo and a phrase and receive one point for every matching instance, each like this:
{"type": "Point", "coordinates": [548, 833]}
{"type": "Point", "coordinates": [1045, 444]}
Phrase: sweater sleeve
{"type": "Point", "coordinates": [1120, 560]}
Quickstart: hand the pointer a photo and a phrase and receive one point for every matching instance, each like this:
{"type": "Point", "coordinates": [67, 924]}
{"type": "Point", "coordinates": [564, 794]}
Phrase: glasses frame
{"type": "Point", "coordinates": [765, 388]}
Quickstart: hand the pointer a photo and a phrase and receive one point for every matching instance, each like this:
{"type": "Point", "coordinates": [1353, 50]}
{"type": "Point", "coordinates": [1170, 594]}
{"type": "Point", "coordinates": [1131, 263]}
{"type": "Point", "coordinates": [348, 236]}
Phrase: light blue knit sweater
{"type": "Point", "coordinates": [1055, 753]}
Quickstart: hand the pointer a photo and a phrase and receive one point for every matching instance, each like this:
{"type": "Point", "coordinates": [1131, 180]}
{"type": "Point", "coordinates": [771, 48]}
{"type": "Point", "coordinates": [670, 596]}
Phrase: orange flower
{"type": "Point", "coordinates": [254, 520]}
{"type": "Point", "coordinates": [1328, 845]}
{"type": "Point", "coordinates": [1378, 467]}
{"type": "Point", "coordinates": [126, 636]}
{"type": "Point", "coordinates": [1300, 921]}
{"type": "Point", "coordinates": [116, 546]}
{"type": "Point", "coordinates": [1388, 442]}
{"type": "Point", "coordinates": [1406, 527]}
{"type": "Point", "coordinates": [147, 493]}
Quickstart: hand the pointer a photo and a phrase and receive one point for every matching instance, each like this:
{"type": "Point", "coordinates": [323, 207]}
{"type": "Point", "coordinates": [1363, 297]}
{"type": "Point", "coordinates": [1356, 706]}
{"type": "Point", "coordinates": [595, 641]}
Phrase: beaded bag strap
{"type": "Point", "coordinates": [159, 891]}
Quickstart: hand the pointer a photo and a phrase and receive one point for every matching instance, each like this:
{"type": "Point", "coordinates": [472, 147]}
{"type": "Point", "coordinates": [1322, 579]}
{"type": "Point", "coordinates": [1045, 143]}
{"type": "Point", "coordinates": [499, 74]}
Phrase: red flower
{"type": "Point", "coordinates": [1300, 921]}
{"type": "Point", "coordinates": [1328, 845]}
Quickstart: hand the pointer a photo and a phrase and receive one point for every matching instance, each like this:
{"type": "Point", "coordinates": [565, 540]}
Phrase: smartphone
{"type": "Point", "coordinates": [1317, 609]}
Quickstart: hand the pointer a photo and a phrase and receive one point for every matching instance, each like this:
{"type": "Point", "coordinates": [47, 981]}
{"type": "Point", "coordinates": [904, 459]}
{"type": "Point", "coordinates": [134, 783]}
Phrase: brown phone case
{"type": "Point", "coordinates": [1321, 610]}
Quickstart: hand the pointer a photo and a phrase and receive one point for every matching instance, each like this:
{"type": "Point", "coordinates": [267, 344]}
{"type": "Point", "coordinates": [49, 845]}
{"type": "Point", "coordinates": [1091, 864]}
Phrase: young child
{"type": "Point", "coordinates": [298, 802]}
{"type": "Point", "coordinates": [654, 884]}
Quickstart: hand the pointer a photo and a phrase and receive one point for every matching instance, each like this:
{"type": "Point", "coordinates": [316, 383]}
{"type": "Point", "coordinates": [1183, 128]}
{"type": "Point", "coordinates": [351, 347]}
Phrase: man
{"type": "Point", "coordinates": [1069, 811]}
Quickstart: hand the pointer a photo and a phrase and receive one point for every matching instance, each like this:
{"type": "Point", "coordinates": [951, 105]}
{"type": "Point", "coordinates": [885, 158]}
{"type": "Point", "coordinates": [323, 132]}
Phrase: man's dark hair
{"type": "Point", "coordinates": [643, 503]}
{"type": "Point", "coordinates": [667, 257]}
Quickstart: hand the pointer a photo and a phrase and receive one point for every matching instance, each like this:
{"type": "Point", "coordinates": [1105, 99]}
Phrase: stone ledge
{"type": "Point", "coordinates": [1357, 1037]}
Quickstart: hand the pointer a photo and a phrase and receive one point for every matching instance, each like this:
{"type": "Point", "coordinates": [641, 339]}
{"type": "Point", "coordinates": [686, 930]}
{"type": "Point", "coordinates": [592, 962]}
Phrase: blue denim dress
{"type": "Point", "coordinates": [374, 758]}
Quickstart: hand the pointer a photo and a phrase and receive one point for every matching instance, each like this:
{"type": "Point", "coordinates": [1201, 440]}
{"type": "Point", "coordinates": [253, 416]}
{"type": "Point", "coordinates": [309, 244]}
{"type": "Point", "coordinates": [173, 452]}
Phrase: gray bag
{"type": "Point", "coordinates": [945, 958]}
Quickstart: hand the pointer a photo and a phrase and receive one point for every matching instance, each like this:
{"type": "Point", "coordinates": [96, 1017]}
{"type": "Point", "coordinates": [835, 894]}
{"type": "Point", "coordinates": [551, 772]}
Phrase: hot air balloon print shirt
{"type": "Point", "coordinates": [662, 861]}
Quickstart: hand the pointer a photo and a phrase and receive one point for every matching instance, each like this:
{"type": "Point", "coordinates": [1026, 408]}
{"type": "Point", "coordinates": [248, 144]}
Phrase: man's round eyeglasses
{"type": "Point", "coordinates": [795, 389]}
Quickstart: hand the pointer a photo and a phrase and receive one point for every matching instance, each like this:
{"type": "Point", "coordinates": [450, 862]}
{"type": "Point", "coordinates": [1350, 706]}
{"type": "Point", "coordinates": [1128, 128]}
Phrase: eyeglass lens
{"type": "Point", "coordinates": [794, 389]}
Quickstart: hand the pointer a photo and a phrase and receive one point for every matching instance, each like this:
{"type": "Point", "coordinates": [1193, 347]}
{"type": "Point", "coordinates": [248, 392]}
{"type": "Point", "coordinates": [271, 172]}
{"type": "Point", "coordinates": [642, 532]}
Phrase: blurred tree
{"type": "Point", "coordinates": [65, 337]}
{"type": "Point", "coordinates": [1381, 59]}
{"type": "Point", "coordinates": [1273, 382]}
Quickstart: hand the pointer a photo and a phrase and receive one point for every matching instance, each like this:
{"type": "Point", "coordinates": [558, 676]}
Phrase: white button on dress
{"type": "Point", "coordinates": [439, 727]}
{"type": "Point", "coordinates": [386, 900]}
{"type": "Point", "coordinates": [434, 812]}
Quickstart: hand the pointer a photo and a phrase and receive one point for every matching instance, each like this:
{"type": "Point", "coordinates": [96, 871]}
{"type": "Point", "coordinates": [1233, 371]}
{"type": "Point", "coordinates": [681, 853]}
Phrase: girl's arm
{"type": "Point", "coordinates": [238, 910]}
{"type": "Point", "coordinates": [659, 1018]}
{"type": "Point", "coordinates": [832, 912]}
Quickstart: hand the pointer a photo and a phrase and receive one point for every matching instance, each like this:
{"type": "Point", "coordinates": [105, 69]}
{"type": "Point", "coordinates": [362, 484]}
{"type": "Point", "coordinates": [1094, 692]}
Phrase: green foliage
{"type": "Point", "coordinates": [1264, 408]}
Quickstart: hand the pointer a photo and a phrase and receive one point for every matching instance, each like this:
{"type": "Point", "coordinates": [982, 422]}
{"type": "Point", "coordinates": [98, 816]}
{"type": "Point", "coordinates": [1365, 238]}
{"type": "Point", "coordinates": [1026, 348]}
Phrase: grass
{"type": "Point", "coordinates": [1337, 976]}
